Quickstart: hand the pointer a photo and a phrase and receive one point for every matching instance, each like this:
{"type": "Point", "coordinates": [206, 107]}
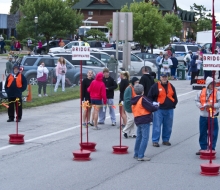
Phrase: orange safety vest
{"type": "Point", "coordinates": [162, 93]}
{"type": "Point", "coordinates": [138, 109]}
{"type": "Point", "coordinates": [133, 94]}
{"type": "Point", "coordinates": [210, 100]}
{"type": "Point", "coordinates": [18, 80]}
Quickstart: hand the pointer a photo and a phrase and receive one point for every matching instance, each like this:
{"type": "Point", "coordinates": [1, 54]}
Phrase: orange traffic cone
{"type": "Point", "coordinates": [29, 96]}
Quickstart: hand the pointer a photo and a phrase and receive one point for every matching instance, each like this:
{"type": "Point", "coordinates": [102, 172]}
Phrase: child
{"type": "Point", "coordinates": [142, 109]}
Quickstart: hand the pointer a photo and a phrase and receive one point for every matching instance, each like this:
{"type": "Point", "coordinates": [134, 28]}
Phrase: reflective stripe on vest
{"type": "Point", "coordinates": [210, 100]}
{"type": "Point", "coordinates": [162, 93]}
{"type": "Point", "coordinates": [138, 109]}
{"type": "Point", "coordinates": [18, 80]}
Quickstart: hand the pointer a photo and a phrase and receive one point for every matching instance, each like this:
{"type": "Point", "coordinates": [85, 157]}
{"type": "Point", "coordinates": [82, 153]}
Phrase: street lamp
{"type": "Point", "coordinates": [36, 21]}
{"type": "Point", "coordinates": [89, 18]}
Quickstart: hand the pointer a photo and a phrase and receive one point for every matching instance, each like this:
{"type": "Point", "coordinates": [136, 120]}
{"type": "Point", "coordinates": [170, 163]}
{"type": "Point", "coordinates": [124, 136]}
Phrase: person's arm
{"type": "Point", "coordinates": [83, 89]}
{"type": "Point", "coordinates": [128, 96]}
{"type": "Point", "coordinates": [197, 100]}
{"type": "Point", "coordinates": [142, 81]}
{"type": "Point", "coordinates": [7, 67]}
{"type": "Point", "coordinates": [114, 85]}
{"type": "Point", "coordinates": [170, 62]}
{"type": "Point", "coordinates": [174, 95]}
{"type": "Point", "coordinates": [57, 68]}
{"type": "Point", "coordinates": [153, 93]}
{"type": "Point", "coordinates": [46, 71]}
{"type": "Point", "coordinates": [24, 83]}
{"type": "Point", "coordinates": [217, 104]}
{"type": "Point", "coordinates": [103, 93]}
{"type": "Point", "coordinates": [148, 105]}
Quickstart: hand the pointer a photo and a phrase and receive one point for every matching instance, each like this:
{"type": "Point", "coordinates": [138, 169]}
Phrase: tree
{"type": "Point", "coordinates": [149, 25]}
{"type": "Point", "coordinates": [70, 3]}
{"type": "Point", "coordinates": [55, 18]}
{"type": "Point", "coordinates": [175, 22]}
{"type": "Point", "coordinates": [96, 34]}
{"type": "Point", "coordinates": [15, 5]}
{"type": "Point", "coordinates": [204, 24]}
{"type": "Point", "coordinates": [200, 11]}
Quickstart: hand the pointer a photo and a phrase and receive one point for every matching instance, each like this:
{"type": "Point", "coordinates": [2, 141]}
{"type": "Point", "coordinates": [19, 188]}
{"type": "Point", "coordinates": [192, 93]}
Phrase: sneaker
{"type": "Point", "coordinates": [96, 128]}
{"type": "Point", "coordinates": [55, 90]}
{"type": "Point", "coordinates": [135, 157]}
{"type": "Point", "coordinates": [198, 153]}
{"type": "Point", "coordinates": [133, 136]}
{"type": "Point", "coordinates": [84, 125]}
{"type": "Point", "coordinates": [39, 95]}
{"type": "Point", "coordinates": [45, 95]}
{"type": "Point", "coordinates": [144, 159]}
{"type": "Point", "coordinates": [125, 135]}
{"type": "Point", "coordinates": [10, 120]}
{"type": "Point", "coordinates": [167, 143]}
{"type": "Point", "coordinates": [91, 123]}
{"type": "Point", "coordinates": [114, 123]}
{"type": "Point", "coordinates": [101, 123]}
{"type": "Point", "coordinates": [155, 144]}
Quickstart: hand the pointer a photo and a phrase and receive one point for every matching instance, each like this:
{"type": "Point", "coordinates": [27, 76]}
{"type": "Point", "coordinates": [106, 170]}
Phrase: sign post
{"type": "Point", "coordinates": [81, 53]}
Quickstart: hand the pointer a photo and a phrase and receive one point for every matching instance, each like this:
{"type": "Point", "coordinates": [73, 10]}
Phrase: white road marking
{"type": "Point", "coordinates": [65, 130]}
{"type": "Point", "coordinates": [185, 93]}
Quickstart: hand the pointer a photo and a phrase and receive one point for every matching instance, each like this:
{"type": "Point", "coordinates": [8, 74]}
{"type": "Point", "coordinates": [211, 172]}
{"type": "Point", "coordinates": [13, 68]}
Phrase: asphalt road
{"type": "Point", "coordinates": [51, 132]}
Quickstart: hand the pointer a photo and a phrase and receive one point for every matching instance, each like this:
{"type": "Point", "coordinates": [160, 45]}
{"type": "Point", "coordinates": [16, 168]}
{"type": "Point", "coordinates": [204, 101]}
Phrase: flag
{"type": "Point", "coordinates": [213, 27]}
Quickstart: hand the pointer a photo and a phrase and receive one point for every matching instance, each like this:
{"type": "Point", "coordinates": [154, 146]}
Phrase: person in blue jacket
{"type": "Point", "coordinates": [15, 84]}
{"type": "Point", "coordinates": [194, 69]}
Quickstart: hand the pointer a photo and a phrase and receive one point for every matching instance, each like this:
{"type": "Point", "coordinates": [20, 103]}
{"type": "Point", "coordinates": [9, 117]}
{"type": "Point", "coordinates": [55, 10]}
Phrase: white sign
{"type": "Point", "coordinates": [80, 53]}
{"type": "Point", "coordinates": [211, 62]}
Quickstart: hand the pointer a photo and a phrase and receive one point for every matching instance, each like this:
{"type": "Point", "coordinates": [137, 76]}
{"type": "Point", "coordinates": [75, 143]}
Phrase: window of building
{"type": "Point", "coordinates": [90, 13]}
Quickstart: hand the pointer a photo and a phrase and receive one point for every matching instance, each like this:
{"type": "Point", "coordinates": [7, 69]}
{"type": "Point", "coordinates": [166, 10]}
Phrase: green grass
{"type": "Point", "coordinates": [53, 97]}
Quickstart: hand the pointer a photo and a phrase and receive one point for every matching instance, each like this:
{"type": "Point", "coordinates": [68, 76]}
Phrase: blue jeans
{"type": "Point", "coordinates": [173, 72]}
{"type": "Point", "coordinates": [203, 129]}
{"type": "Point", "coordinates": [158, 73]}
{"type": "Point", "coordinates": [102, 114]}
{"type": "Point", "coordinates": [141, 140]}
{"type": "Point", "coordinates": [164, 117]}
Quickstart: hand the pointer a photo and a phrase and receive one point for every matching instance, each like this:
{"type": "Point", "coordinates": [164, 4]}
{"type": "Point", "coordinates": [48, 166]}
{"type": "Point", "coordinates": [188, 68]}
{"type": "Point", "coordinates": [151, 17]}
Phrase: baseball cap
{"type": "Point", "coordinates": [164, 74]}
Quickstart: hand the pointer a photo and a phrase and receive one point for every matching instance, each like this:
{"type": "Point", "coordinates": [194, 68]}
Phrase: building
{"type": "Point", "coordinates": [102, 11]}
{"type": "Point", "coordinates": [8, 24]}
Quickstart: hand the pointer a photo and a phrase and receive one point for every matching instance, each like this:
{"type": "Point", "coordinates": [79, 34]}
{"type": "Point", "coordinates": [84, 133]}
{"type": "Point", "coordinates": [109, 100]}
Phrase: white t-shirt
{"type": "Point", "coordinates": [198, 62]}
{"type": "Point", "coordinates": [29, 42]}
{"type": "Point", "coordinates": [165, 63]}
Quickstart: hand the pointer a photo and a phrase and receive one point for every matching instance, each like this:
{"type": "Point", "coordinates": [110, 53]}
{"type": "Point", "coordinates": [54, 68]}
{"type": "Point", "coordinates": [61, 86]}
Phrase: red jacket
{"type": "Point", "coordinates": [97, 89]}
{"type": "Point", "coordinates": [17, 45]}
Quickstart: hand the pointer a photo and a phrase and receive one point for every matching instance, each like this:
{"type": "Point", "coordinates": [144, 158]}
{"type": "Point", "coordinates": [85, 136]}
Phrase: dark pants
{"type": "Point", "coordinates": [40, 85]}
{"type": "Point", "coordinates": [14, 106]}
{"type": "Point", "coordinates": [207, 74]}
{"type": "Point", "coordinates": [193, 75]}
{"type": "Point", "coordinates": [203, 129]}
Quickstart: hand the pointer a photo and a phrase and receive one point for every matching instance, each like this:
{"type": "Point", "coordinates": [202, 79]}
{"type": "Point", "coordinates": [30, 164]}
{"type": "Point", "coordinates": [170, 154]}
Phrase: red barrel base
{"type": "Point", "coordinates": [81, 155]}
{"type": "Point", "coordinates": [206, 155]}
{"type": "Point", "coordinates": [120, 149]}
{"type": "Point", "coordinates": [210, 169]}
{"type": "Point", "coordinates": [88, 146]}
{"type": "Point", "coordinates": [16, 139]}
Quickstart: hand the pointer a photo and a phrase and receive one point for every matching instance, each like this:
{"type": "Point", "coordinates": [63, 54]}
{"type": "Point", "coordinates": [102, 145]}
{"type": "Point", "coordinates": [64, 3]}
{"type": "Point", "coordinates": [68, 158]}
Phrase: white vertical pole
{"type": "Point", "coordinates": [117, 35]}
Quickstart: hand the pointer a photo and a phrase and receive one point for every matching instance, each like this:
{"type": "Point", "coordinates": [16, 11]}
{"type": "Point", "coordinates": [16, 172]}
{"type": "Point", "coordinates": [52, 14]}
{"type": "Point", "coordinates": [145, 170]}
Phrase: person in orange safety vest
{"type": "Point", "coordinates": [15, 84]}
{"type": "Point", "coordinates": [142, 109]}
{"type": "Point", "coordinates": [164, 93]}
{"type": "Point", "coordinates": [204, 101]}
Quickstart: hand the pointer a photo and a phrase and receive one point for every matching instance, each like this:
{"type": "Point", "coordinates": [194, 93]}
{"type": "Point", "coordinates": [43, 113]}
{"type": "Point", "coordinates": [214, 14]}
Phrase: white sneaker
{"type": "Point", "coordinates": [144, 159]}
{"type": "Point", "coordinates": [39, 95]}
{"type": "Point", "coordinates": [45, 95]}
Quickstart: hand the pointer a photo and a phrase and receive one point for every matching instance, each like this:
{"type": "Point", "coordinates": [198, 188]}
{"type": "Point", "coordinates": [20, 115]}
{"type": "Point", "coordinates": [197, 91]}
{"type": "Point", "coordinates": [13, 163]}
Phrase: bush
{"type": "Point", "coordinates": [8, 47]}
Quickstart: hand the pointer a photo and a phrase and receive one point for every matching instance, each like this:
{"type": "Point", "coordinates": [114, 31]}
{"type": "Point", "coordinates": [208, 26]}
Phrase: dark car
{"type": "Point", "coordinates": [29, 65]}
{"type": "Point", "coordinates": [95, 44]}
{"type": "Point", "coordinates": [52, 44]}
{"type": "Point", "coordinates": [147, 56]}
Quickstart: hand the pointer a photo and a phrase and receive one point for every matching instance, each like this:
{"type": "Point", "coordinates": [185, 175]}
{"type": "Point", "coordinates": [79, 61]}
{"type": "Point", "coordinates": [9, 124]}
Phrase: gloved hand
{"type": "Point", "coordinates": [156, 103]}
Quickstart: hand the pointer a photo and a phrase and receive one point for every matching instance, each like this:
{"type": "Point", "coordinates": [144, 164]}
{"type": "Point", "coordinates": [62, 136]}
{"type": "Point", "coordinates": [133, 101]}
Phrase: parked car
{"type": "Point", "coordinates": [136, 63]}
{"type": "Point", "coordinates": [93, 64]}
{"type": "Point", "coordinates": [181, 49]}
{"type": "Point", "coordinates": [147, 56]}
{"type": "Point", "coordinates": [208, 46]}
{"type": "Point", "coordinates": [52, 44]}
{"type": "Point", "coordinates": [67, 47]}
{"type": "Point", "coordinates": [29, 66]}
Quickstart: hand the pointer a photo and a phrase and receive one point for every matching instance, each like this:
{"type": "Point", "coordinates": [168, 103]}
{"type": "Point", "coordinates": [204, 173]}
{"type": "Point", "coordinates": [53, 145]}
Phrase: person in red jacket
{"type": "Point", "coordinates": [97, 94]}
{"type": "Point", "coordinates": [17, 45]}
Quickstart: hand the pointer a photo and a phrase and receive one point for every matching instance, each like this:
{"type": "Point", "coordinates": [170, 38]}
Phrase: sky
{"type": "Point", "coordinates": [183, 4]}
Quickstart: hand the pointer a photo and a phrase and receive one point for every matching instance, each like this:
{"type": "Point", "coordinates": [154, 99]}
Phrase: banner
{"type": "Point", "coordinates": [211, 62]}
{"type": "Point", "coordinates": [80, 53]}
